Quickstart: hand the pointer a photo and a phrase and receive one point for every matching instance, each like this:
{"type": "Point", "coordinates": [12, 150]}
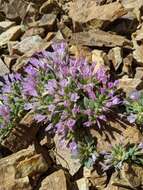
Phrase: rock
{"type": "Point", "coordinates": [3, 68]}
{"type": "Point", "coordinates": [25, 130]}
{"type": "Point", "coordinates": [115, 55]}
{"type": "Point", "coordinates": [127, 65]}
{"type": "Point", "coordinates": [63, 158]}
{"type": "Point", "coordinates": [100, 58]}
{"type": "Point", "coordinates": [10, 45]}
{"type": "Point", "coordinates": [98, 180]}
{"type": "Point", "coordinates": [38, 31]}
{"type": "Point", "coordinates": [15, 9]}
{"type": "Point", "coordinates": [56, 181]}
{"type": "Point", "coordinates": [129, 177]}
{"type": "Point", "coordinates": [47, 20]}
{"type": "Point", "coordinates": [50, 6]}
{"type": "Point", "coordinates": [22, 61]}
{"type": "Point", "coordinates": [4, 25]}
{"type": "Point", "coordinates": [139, 73]}
{"type": "Point", "coordinates": [12, 33]}
{"type": "Point", "coordinates": [100, 38]}
{"type": "Point", "coordinates": [9, 60]}
{"type": "Point", "coordinates": [84, 11]}
{"type": "Point", "coordinates": [114, 133]}
{"type": "Point", "coordinates": [138, 55]}
{"type": "Point", "coordinates": [82, 184]}
{"type": "Point", "coordinates": [28, 44]}
{"type": "Point", "coordinates": [81, 52]}
{"type": "Point", "coordinates": [16, 169]}
{"type": "Point", "coordinates": [131, 83]}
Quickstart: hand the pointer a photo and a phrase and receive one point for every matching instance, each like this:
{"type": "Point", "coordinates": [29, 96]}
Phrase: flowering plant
{"type": "Point", "coordinates": [69, 95]}
{"type": "Point", "coordinates": [120, 154]}
{"type": "Point", "coordinates": [134, 107]}
{"type": "Point", "coordinates": [11, 104]}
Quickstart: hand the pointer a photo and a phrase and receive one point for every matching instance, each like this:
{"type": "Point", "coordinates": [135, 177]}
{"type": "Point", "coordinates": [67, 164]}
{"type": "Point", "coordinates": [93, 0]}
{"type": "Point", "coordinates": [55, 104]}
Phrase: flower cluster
{"type": "Point", "coordinates": [11, 103]}
{"type": "Point", "coordinates": [134, 107]}
{"type": "Point", "coordinates": [69, 95]}
{"type": "Point", "coordinates": [120, 154]}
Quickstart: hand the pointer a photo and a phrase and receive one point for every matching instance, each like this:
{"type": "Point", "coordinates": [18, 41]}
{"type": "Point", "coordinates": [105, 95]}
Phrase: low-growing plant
{"type": "Point", "coordinates": [11, 104]}
{"type": "Point", "coordinates": [134, 107]}
{"type": "Point", "coordinates": [68, 95]}
{"type": "Point", "coordinates": [121, 153]}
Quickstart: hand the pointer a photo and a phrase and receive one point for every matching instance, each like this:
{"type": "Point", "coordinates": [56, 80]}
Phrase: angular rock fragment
{"type": "Point", "coordinates": [49, 6]}
{"type": "Point", "coordinates": [56, 181]}
{"type": "Point", "coordinates": [47, 20]}
{"type": "Point", "coordinates": [114, 133]}
{"type": "Point", "coordinates": [16, 169]}
{"type": "Point", "coordinates": [100, 38]}
{"type": "Point", "coordinates": [29, 43]}
{"type": "Point", "coordinates": [115, 55]}
{"type": "Point", "coordinates": [35, 31]}
{"type": "Point", "coordinates": [3, 68]}
{"type": "Point", "coordinates": [4, 25]}
{"type": "Point", "coordinates": [12, 34]}
{"type": "Point", "coordinates": [63, 158]}
{"type": "Point", "coordinates": [82, 12]}
{"type": "Point", "coordinates": [82, 184]}
{"type": "Point", "coordinates": [22, 135]}
{"type": "Point", "coordinates": [131, 83]}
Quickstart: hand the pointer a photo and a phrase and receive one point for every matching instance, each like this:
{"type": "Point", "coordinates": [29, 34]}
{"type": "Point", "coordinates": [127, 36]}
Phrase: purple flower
{"type": "Point", "coordinates": [74, 97]}
{"type": "Point", "coordinates": [88, 123]}
{"type": "Point", "coordinates": [51, 107]}
{"type": "Point", "coordinates": [73, 147]}
{"type": "Point", "coordinates": [115, 101]}
{"type": "Point", "coordinates": [64, 83]}
{"type": "Point", "coordinates": [132, 118]}
{"type": "Point", "coordinates": [5, 112]}
{"type": "Point", "coordinates": [71, 123]}
{"type": "Point", "coordinates": [29, 87]}
{"type": "Point", "coordinates": [60, 128]}
{"type": "Point", "coordinates": [51, 86]}
{"type": "Point", "coordinates": [49, 127]}
{"type": "Point", "coordinates": [101, 75]}
{"type": "Point", "coordinates": [39, 117]}
{"type": "Point", "coordinates": [135, 95]}
{"type": "Point", "coordinates": [6, 88]}
{"type": "Point", "coordinates": [31, 70]}
{"type": "Point", "coordinates": [110, 84]}
{"type": "Point", "coordinates": [28, 106]}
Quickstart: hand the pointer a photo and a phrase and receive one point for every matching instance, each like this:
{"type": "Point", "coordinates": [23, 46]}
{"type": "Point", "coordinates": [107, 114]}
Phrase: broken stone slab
{"type": "Point", "coordinates": [100, 38]}
{"type": "Point", "coordinates": [34, 31]}
{"type": "Point", "coordinates": [81, 52]}
{"type": "Point", "coordinates": [56, 181]}
{"type": "Point", "coordinates": [23, 60]}
{"type": "Point", "coordinates": [10, 60]}
{"type": "Point", "coordinates": [130, 177]}
{"type": "Point", "coordinates": [50, 6]}
{"type": "Point", "coordinates": [100, 58]}
{"type": "Point", "coordinates": [11, 34]}
{"type": "Point", "coordinates": [3, 68]}
{"type": "Point", "coordinates": [10, 45]}
{"type": "Point", "coordinates": [115, 55]}
{"type": "Point", "coordinates": [81, 184]}
{"type": "Point", "coordinates": [15, 9]}
{"type": "Point", "coordinates": [114, 133]}
{"type": "Point", "coordinates": [16, 169]}
{"type": "Point", "coordinates": [131, 83]}
{"type": "Point", "coordinates": [82, 12]}
{"type": "Point", "coordinates": [26, 45]}
{"type": "Point", "coordinates": [139, 73]}
{"type": "Point", "coordinates": [47, 20]}
{"type": "Point", "coordinates": [4, 25]}
{"type": "Point", "coordinates": [63, 158]}
{"type": "Point", "coordinates": [22, 135]}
